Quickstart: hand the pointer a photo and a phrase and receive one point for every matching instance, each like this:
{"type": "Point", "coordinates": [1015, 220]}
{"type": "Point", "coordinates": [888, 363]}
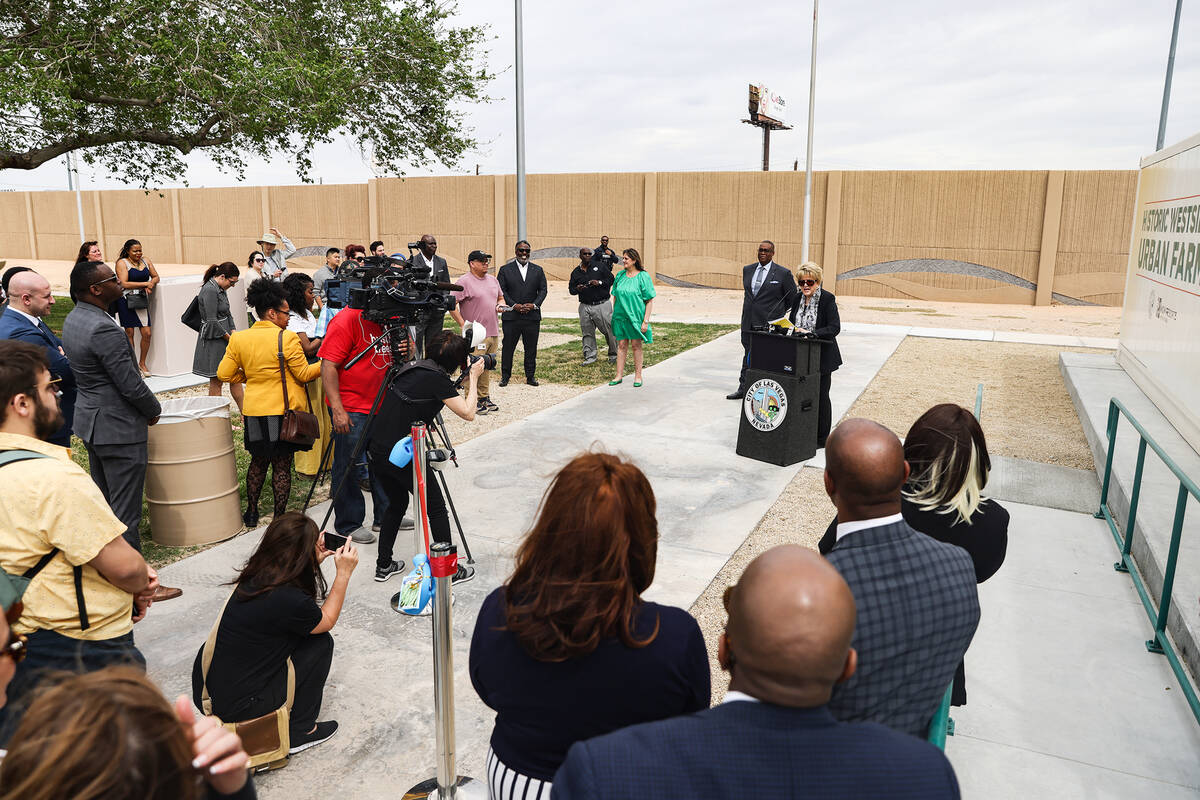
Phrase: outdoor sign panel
{"type": "Point", "coordinates": [770, 105]}
{"type": "Point", "coordinates": [1160, 323]}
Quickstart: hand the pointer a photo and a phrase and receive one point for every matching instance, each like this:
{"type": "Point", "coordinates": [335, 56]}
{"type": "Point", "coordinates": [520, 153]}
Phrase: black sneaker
{"type": "Point", "coordinates": [463, 575]}
{"type": "Point", "coordinates": [491, 406]}
{"type": "Point", "coordinates": [383, 573]}
{"type": "Point", "coordinates": [481, 408]}
{"type": "Point", "coordinates": [407, 524]}
{"type": "Point", "coordinates": [323, 733]}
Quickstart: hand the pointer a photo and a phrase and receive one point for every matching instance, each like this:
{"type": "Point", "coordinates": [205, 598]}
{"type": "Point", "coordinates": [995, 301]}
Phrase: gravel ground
{"type": "Point", "coordinates": [1027, 414]}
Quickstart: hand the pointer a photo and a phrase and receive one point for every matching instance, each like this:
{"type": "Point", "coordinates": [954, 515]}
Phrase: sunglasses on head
{"type": "Point", "coordinates": [808, 282]}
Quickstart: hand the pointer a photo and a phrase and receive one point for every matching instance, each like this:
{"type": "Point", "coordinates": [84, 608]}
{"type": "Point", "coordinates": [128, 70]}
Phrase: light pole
{"type": "Point", "coordinates": [520, 70]}
{"type": "Point", "coordinates": [812, 88]}
{"type": "Point", "coordinates": [1162, 117]}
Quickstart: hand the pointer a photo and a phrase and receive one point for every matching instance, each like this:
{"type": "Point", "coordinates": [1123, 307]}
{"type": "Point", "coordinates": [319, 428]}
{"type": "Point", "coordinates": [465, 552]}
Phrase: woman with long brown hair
{"type": "Point", "coordinates": [111, 734]}
{"type": "Point", "coordinates": [568, 649]}
{"type": "Point", "coordinates": [281, 609]}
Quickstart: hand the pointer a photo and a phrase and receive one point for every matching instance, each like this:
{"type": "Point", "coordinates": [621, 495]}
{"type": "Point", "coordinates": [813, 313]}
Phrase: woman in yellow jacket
{"type": "Point", "coordinates": [252, 358]}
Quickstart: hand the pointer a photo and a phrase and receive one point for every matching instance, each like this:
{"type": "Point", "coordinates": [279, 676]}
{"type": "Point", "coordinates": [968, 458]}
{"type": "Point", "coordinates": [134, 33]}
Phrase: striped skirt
{"type": "Point", "coordinates": [508, 784]}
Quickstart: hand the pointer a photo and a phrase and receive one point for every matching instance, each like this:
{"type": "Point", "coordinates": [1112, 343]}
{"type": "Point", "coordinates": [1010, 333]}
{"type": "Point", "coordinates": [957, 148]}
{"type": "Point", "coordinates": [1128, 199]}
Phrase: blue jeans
{"type": "Point", "coordinates": [349, 508]}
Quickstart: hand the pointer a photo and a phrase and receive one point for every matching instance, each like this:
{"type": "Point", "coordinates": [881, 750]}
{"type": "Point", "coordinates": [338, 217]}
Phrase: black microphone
{"type": "Point", "coordinates": [448, 287]}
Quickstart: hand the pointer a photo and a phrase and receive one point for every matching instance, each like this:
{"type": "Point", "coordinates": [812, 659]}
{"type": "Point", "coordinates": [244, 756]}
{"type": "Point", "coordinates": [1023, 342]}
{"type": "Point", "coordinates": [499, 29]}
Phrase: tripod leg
{"type": "Point", "coordinates": [320, 474]}
{"type": "Point", "coordinates": [454, 513]}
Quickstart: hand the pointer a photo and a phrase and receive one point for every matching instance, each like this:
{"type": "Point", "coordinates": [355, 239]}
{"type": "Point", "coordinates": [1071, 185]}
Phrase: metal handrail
{"type": "Point", "coordinates": [1160, 643]}
{"type": "Point", "coordinates": [941, 725]}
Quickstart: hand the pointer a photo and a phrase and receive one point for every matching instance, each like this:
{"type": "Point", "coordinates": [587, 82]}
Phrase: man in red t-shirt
{"type": "Point", "coordinates": [350, 393]}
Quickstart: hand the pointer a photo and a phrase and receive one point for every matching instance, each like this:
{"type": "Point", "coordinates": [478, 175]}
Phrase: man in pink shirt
{"type": "Point", "coordinates": [479, 301]}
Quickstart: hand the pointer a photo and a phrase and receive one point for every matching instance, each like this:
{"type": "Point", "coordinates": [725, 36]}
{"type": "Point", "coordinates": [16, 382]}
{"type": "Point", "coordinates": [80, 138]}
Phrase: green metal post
{"type": "Point", "coordinates": [1164, 601]}
{"type": "Point", "coordinates": [1113, 418]}
{"type": "Point", "coordinates": [1135, 496]}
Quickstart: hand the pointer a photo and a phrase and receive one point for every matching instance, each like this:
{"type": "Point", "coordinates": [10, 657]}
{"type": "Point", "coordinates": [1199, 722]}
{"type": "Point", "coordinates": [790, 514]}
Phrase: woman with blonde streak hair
{"type": "Point", "coordinates": [815, 312]}
{"type": "Point", "coordinates": [111, 734]}
{"type": "Point", "coordinates": [943, 498]}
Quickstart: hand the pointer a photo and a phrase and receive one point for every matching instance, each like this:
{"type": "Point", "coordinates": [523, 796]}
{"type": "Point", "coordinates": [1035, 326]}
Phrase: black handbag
{"type": "Point", "coordinates": [136, 299]}
{"type": "Point", "coordinates": [191, 317]}
{"type": "Point", "coordinates": [298, 427]}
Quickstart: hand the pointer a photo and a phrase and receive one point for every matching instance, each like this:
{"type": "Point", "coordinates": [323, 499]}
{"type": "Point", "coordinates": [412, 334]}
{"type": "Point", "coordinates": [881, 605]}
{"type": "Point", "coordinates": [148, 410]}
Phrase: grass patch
{"type": "Point", "coordinates": [902, 310]}
{"type": "Point", "coordinates": [58, 312]}
{"type": "Point", "coordinates": [158, 555]}
{"type": "Point", "coordinates": [563, 363]}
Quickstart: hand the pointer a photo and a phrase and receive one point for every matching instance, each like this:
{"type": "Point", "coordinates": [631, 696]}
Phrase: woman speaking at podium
{"type": "Point", "coordinates": [815, 311]}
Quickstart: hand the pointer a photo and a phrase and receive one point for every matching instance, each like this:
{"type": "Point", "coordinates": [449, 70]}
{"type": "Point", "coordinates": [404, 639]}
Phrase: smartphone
{"type": "Point", "coordinates": [333, 541]}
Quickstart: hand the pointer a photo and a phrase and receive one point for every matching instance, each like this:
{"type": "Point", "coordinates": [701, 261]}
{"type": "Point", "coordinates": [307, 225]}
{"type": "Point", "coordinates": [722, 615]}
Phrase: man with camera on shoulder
{"type": "Point", "coordinates": [421, 390]}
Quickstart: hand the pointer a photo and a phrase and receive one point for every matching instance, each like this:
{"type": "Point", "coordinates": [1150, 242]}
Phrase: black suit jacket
{"type": "Point", "coordinates": [774, 297]}
{"type": "Point", "coordinates": [531, 290]}
{"type": "Point", "coordinates": [746, 749]}
{"type": "Point", "coordinates": [829, 325]}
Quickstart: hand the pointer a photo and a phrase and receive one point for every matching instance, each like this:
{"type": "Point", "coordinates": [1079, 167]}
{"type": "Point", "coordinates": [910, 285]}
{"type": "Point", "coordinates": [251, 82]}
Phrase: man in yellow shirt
{"type": "Point", "coordinates": [87, 584]}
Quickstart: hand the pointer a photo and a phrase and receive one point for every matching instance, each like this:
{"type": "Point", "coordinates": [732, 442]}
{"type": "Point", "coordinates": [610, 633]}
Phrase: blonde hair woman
{"type": "Point", "coordinates": [814, 312]}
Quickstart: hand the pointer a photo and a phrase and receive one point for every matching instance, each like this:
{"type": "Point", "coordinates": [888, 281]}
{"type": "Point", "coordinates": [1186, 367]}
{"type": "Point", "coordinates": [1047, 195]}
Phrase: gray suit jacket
{"type": "Point", "coordinates": [113, 403]}
{"type": "Point", "coordinates": [917, 612]}
{"type": "Point", "coordinates": [774, 298]}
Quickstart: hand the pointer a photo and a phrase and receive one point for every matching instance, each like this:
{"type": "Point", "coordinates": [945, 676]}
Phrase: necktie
{"type": "Point", "coordinates": [48, 333]}
{"type": "Point", "coordinates": [759, 275]}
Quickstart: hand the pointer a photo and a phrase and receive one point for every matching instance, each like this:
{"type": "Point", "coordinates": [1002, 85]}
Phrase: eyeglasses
{"type": "Point", "coordinates": [360, 258]}
{"type": "Point", "coordinates": [112, 277]}
{"type": "Point", "coordinates": [260, 261]}
{"type": "Point", "coordinates": [808, 282]}
{"type": "Point", "coordinates": [522, 249]}
{"type": "Point", "coordinates": [764, 250]}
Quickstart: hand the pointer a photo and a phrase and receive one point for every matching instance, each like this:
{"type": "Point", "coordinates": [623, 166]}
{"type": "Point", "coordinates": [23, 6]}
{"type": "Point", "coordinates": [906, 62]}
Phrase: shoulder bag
{"type": "Point", "coordinates": [191, 317]}
{"type": "Point", "coordinates": [136, 299]}
{"type": "Point", "coordinates": [298, 427]}
{"type": "Point", "coordinates": [265, 738]}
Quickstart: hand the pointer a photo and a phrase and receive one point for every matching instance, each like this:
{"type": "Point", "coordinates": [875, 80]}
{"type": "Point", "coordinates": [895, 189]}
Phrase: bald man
{"type": "Point", "coordinates": [29, 301]}
{"type": "Point", "coordinates": [787, 644]}
{"type": "Point", "coordinates": [917, 602]}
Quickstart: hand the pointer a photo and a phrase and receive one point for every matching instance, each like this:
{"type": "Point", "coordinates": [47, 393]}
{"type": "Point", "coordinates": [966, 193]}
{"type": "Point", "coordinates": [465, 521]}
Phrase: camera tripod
{"type": "Point", "coordinates": [439, 438]}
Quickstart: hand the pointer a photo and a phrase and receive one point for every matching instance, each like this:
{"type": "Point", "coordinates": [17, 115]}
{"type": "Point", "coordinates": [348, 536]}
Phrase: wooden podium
{"type": "Point", "coordinates": [779, 409]}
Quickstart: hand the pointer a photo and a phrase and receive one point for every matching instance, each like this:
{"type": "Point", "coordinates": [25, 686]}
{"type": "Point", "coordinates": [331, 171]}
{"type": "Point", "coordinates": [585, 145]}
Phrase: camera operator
{"type": "Point", "coordinates": [419, 392]}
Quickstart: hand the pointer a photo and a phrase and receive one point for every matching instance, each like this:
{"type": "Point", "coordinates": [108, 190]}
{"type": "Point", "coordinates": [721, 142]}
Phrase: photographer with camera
{"type": "Point", "coordinates": [420, 391]}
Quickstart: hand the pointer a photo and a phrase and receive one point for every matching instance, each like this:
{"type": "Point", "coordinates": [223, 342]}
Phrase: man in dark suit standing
{"type": "Point", "coordinates": [114, 405]}
{"type": "Point", "coordinates": [786, 644]}
{"type": "Point", "coordinates": [769, 292]}
{"type": "Point", "coordinates": [917, 602]}
{"type": "Point", "coordinates": [427, 256]}
{"type": "Point", "coordinates": [524, 287]}
{"type": "Point", "coordinates": [30, 300]}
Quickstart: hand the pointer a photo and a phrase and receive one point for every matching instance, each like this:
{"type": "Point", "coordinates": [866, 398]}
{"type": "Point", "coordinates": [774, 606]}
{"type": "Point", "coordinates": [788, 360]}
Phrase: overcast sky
{"type": "Point", "coordinates": [647, 85]}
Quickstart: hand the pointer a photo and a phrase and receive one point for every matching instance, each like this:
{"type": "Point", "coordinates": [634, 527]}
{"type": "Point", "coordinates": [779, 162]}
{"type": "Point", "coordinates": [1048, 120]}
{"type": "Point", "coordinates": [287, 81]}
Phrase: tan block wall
{"type": "Point", "coordinates": [699, 227]}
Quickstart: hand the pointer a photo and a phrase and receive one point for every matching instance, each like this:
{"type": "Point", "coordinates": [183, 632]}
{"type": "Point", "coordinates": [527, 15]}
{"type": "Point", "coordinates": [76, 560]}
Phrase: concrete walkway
{"type": "Point", "coordinates": [678, 428]}
{"type": "Point", "coordinates": [1063, 699]}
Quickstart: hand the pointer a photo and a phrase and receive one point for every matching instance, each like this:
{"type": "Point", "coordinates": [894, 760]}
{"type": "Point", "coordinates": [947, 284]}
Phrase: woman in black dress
{"type": "Point", "coordinates": [568, 649]}
{"type": "Point", "coordinates": [947, 453]}
{"type": "Point", "coordinates": [280, 610]}
{"type": "Point", "coordinates": [815, 312]}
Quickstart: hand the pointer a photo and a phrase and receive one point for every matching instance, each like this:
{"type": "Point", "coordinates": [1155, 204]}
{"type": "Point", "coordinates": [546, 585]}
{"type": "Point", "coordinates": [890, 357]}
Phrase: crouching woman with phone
{"type": "Point", "coordinates": [280, 609]}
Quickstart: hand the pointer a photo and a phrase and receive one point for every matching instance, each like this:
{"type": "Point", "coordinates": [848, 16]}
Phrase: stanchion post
{"type": "Point", "coordinates": [443, 563]}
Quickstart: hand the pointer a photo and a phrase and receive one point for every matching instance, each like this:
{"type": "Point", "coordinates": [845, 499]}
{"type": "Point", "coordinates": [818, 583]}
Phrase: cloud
{"type": "Point", "coordinates": [927, 84]}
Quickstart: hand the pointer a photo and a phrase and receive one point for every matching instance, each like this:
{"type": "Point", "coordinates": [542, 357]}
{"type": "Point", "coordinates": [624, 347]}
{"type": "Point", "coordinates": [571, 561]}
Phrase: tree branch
{"type": "Point", "coordinates": [110, 100]}
{"type": "Point", "coordinates": [29, 159]}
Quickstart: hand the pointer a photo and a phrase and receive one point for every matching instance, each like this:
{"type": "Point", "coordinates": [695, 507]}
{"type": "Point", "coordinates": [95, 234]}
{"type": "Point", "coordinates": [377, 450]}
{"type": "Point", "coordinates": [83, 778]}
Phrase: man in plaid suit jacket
{"type": "Point", "coordinates": [787, 643]}
{"type": "Point", "coordinates": [917, 602]}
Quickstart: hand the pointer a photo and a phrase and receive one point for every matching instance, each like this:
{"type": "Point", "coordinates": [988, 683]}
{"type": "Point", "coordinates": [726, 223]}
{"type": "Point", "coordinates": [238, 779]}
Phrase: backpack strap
{"type": "Point", "coordinates": [11, 457]}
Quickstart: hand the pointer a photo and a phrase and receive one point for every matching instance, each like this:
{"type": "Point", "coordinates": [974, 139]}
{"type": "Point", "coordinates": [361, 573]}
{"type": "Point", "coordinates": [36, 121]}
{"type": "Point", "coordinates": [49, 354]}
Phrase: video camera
{"type": "Point", "coordinates": [397, 293]}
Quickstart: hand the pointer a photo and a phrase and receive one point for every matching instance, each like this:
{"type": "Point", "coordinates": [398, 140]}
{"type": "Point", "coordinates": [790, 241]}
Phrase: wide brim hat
{"type": "Point", "coordinates": [268, 238]}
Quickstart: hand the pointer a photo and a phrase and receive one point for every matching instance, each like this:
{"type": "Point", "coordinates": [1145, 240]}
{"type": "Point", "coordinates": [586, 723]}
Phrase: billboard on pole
{"type": "Point", "coordinates": [766, 104]}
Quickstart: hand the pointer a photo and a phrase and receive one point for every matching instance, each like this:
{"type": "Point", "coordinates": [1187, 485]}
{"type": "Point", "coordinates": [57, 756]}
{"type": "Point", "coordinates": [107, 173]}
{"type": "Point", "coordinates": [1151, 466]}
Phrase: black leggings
{"type": "Point", "coordinates": [397, 485]}
{"type": "Point", "coordinates": [824, 409]}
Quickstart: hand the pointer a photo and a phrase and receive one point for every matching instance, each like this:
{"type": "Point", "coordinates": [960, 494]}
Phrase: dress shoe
{"type": "Point", "coordinates": [250, 518]}
{"type": "Point", "coordinates": [738, 395]}
{"type": "Point", "coordinates": [504, 381]}
{"type": "Point", "coordinates": [166, 593]}
{"type": "Point", "coordinates": [531, 381]}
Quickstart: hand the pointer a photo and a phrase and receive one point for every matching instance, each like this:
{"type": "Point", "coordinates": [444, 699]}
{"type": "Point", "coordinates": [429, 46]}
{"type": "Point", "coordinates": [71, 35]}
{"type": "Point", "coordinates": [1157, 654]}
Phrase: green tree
{"type": "Point", "coordinates": [136, 84]}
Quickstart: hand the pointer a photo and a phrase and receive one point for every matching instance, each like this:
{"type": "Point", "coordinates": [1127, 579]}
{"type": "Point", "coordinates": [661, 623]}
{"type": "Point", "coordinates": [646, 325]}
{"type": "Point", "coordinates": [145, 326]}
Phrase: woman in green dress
{"type": "Point", "coordinates": [633, 299]}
